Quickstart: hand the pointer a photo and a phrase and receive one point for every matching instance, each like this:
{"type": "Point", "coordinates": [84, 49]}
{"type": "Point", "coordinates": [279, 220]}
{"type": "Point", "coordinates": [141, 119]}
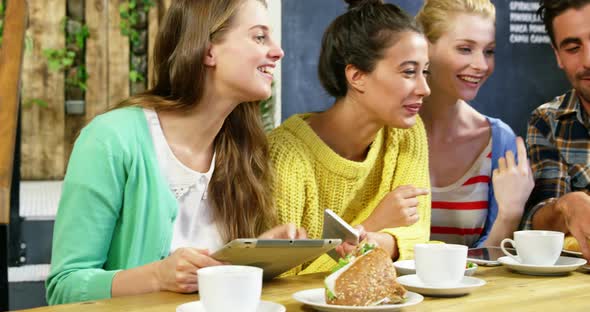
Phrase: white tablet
{"type": "Point", "coordinates": [275, 256]}
{"type": "Point", "coordinates": [335, 227]}
{"type": "Point", "coordinates": [487, 256]}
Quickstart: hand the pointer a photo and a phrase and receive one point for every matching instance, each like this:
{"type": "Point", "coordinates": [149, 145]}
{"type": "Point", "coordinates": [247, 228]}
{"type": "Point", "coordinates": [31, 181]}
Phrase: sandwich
{"type": "Point", "coordinates": [365, 278]}
{"type": "Point", "coordinates": [570, 243]}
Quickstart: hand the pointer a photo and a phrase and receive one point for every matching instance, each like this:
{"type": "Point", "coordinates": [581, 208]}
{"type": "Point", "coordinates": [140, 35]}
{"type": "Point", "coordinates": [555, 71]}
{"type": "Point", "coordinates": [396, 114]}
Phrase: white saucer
{"type": "Point", "coordinates": [316, 299]}
{"type": "Point", "coordinates": [264, 306]}
{"type": "Point", "coordinates": [467, 285]}
{"type": "Point", "coordinates": [562, 266]}
{"type": "Point", "coordinates": [406, 267]}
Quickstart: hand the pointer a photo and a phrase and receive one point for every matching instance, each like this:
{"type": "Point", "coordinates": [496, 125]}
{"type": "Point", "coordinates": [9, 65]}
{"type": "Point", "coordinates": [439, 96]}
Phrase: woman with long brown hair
{"type": "Point", "coordinates": [169, 174]}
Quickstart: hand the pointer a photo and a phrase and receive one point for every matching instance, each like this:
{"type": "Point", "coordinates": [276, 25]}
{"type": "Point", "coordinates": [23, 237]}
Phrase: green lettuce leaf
{"type": "Point", "coordinates": [366, 248]}
{"type": "Point", "coordinates": [342, 262]}
{"type": "Point", "coordinates": [331, 296]}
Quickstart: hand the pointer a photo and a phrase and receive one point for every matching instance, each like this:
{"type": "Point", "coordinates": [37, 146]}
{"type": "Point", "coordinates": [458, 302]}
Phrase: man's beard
{"type": "Point", "coordinates": [584, 92]}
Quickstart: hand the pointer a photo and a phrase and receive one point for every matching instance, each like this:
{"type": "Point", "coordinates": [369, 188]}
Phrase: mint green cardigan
{"type": "Point", "coordinates": [116, 211]}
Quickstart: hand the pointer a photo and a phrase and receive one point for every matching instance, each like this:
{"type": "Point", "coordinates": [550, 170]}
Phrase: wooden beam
{"type": "Point", "coordinates": [153, 26]}
{"type": "Point", "coordinates": [43, 128]}
{"type": "Point", "coordinates": [11, 55]}
{"type": "Point", "coordinates": [118, 53]}
{"type": "Point", "coordinates": [97, 53]}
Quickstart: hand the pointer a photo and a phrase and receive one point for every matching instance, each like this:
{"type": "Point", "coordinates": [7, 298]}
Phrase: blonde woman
{"type": "Point", "coordinates": [366, 157]}
{"type": "Point", "coordinates": [179, 170]}
{"type": "Point", "coordinates": [478, 169]}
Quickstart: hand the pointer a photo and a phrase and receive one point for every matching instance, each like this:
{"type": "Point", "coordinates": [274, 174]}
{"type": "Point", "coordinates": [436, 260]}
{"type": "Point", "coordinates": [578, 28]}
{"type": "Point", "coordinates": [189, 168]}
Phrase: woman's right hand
{"type": "Point", "coordinates": [513, 183]}
{"type": "Point", "coordinates": [398, 208]}
{"type": "Point", "coordinates": [178, 272]}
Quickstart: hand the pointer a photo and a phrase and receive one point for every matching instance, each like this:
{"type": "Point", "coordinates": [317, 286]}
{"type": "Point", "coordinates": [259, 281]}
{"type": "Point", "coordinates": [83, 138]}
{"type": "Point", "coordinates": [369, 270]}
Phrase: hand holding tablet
{"type": "Point", "coordinates": [335, 227]}
{"type": "Point", "coordinates": [274, 256]}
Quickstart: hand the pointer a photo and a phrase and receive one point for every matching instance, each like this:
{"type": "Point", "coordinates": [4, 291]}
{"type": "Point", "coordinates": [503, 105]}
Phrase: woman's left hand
{"type": "Point", "coordinates": [513, 183]}
{"type": "Point", "coordinates": [285, 231]}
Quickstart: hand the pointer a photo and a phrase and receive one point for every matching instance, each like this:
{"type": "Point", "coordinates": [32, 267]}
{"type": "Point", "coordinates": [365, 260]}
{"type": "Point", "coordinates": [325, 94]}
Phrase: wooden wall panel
{"type": "Point", "coordinates": [43, 128]}
{"type": "Point", "coordinates": [153, 22]}
{"type": "Point", "coordinates": [48, 133]}
{"type": "Point", "coordinates": [118, 57]}
{"type": "Point", "coordinates": [97, 57]}
{"type": "Point", "coordinates": [167, 3]}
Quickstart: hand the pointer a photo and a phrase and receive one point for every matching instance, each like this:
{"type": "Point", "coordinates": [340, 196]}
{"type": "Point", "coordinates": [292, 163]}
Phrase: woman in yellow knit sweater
{"type": "Point", "coordinates": [366, 157]}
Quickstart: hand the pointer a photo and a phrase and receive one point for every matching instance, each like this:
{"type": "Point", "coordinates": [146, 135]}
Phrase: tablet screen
{"type": "Point", "coordinates": [488, 253]}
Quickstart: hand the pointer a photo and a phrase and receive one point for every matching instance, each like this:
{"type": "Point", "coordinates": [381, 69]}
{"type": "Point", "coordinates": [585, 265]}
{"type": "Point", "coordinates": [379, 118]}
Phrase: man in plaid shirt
{"type": "Point", "coordinates": [559, 131]}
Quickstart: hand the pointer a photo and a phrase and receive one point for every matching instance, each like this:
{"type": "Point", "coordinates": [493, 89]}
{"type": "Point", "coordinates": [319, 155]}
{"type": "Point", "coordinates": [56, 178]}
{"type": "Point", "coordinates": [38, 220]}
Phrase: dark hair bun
{"type": "Point", "coordinates": [358, 3]}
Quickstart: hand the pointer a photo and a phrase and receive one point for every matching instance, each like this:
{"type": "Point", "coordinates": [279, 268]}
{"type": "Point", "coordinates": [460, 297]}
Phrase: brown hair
{"type": "Point", "coordinates": [436, 16]}
{"type": "Point", "coordinates": [550, 9]}
{"type": "Point", "coordinates": [239, 190]}
{"type": "Point", "coordinates": [359, 37]}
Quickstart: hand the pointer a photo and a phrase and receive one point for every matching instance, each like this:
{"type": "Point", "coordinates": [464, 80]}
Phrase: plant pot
{"type": "Point", "coordinates": [75, 107]}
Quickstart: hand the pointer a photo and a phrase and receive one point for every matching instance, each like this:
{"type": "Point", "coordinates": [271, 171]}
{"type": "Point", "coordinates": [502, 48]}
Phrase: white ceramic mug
{"type": "Point", "coordinates": [440, 264]}
{"type": "Point", "coordinates": [230, 288]}
{"type": "Point", "coordinates": [535, 247]}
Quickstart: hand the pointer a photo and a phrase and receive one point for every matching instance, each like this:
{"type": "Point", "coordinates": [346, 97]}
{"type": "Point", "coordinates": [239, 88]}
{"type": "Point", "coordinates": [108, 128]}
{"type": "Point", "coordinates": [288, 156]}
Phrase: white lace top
{"type": "Point", "coordinates": [193, 226]}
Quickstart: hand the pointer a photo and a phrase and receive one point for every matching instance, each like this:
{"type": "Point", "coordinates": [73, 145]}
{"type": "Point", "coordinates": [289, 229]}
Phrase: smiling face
{"type": "Point", "coordinates": [463, 57]}
{"type": "Point", "coordinates": [243, 62]}
{"type": "Point", "coordinates": [571, 30]}
{"type": "Point", "coordinates": [394, 90]}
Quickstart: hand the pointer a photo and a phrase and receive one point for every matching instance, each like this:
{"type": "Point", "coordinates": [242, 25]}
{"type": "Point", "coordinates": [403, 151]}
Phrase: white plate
{"type": "Point", "coordinates": [407, 267]}
{"type": "Point", "coordinates": [467, 285]}
{"type": "Point", "coordinates": [562, 266]}
{"type": "Point", "coordinates": [264, 306]}
{"type": "Point", "coordinates": [315, 298]}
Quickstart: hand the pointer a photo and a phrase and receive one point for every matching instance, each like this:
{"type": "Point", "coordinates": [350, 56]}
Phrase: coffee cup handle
{"type": "Point", "coordinates": [508, 240]}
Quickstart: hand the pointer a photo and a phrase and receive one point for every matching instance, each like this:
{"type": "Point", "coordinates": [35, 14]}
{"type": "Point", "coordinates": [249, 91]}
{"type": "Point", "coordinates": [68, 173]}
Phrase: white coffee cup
{"type": "Point", "coordinates": [535, 247]}
{"type": "Point", "coordinates": [440, 264]}
{"type": "Point", "coordinates": [230, 288]}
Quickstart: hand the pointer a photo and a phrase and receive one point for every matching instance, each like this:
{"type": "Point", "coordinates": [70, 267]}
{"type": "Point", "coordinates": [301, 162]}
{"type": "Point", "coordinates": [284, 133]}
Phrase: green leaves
{"type": "Point", "coordinates": [79, 78]}
{"type": "Point", "coordinates": [135, 76]}
{"type": "Point", "coordinates": [38, 102]}
{"type": "Point", "coordinates": [64, 59]}
{"type": "Point", "coordinates": [2, 9]}
{"type": "Point", "coordinates": [80, 37]}
{"type": "Point", "coordinates": [59, 59]}
{"type": "Point", "coordinates": [129, 13]}
{"type": "Point", "coordinates": [147, 4]}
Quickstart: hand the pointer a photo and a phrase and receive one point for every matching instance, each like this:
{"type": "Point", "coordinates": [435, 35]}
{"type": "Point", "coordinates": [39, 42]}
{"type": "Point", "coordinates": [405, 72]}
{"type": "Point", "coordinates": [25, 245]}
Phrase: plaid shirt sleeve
{"type": "Point", "coordinates": [550, 170]}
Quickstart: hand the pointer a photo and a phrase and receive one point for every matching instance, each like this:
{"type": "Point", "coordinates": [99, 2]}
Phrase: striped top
{"type": "Point", "coordinates": [460, 210]}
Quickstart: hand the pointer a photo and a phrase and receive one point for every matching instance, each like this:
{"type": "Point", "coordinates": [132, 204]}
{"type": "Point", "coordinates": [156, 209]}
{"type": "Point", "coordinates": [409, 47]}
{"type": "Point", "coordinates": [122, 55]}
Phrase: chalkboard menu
{"type": "Point", "coordinates": [526, 73]}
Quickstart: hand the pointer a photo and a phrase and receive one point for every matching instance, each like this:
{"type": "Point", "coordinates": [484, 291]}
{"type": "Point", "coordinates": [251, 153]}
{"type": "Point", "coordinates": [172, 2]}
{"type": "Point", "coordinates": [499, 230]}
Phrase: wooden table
{"type": "Point", "coordinates": [504, 291]}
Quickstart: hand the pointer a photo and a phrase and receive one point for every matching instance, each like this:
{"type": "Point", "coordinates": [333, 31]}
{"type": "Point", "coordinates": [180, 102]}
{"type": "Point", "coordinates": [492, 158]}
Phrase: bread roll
{"type": "Point", "coordinates": [570, 243]}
